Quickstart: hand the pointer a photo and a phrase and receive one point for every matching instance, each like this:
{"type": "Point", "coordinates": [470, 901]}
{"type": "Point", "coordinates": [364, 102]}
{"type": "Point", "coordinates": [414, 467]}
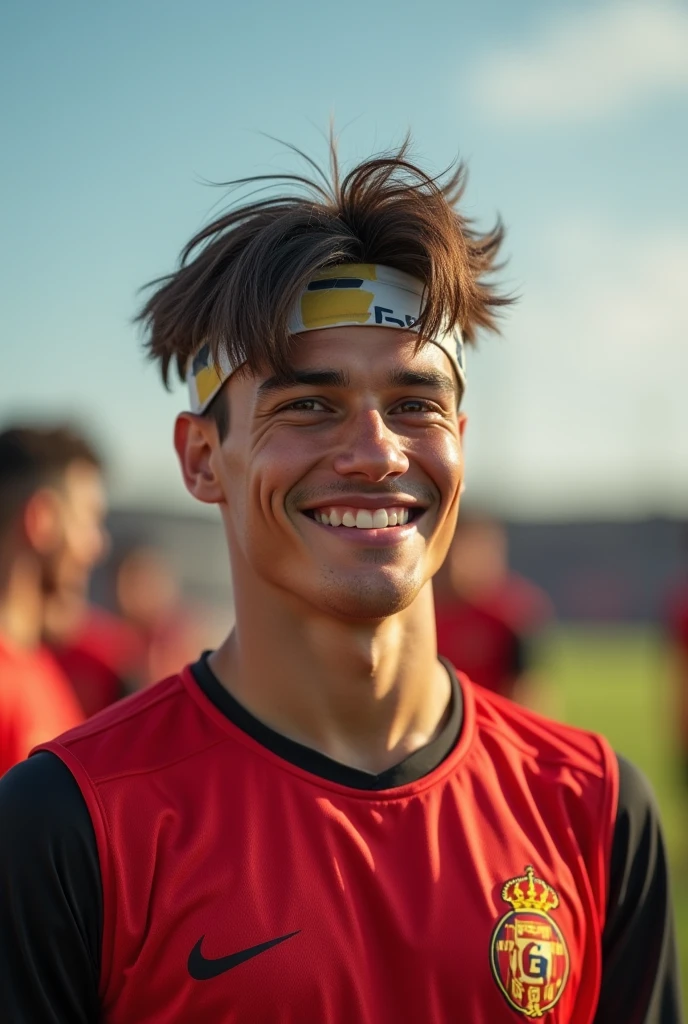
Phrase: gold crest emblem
{"type": "Point", "coordinates": [528, 953]}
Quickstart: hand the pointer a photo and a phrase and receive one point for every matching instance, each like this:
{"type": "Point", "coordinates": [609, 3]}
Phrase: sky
{"type": "Point", "coordinates": [572, 116]}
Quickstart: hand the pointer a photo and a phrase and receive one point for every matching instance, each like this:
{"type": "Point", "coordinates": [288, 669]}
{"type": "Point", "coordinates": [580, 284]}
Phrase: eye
{"type": "Point", "coordinates": [415, 405]}
{"type": "Point", "coordinates": [304, 405]}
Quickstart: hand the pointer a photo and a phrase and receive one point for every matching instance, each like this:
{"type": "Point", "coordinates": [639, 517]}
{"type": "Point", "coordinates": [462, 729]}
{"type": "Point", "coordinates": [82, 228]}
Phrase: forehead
{"type": "Point", "coordinates": [366, 351]}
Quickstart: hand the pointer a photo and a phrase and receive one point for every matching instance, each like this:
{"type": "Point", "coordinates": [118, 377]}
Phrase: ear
{"type": "Point", "coordinates": [42, 521]}
{"type": "Point", "coordinates": [195, 440]}
{"type": "Point", "coordinates": [463, 421]}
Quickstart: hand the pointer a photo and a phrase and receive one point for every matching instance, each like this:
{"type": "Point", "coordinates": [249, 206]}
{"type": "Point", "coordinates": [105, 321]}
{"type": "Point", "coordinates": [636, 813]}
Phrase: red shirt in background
{"type": "Point", "coordinates": [109, 657]}
{"type": "Point", "coordinates": [488, 638]}
{"type": "Point", "coordinates": [678, 617]}
{"type": "Point", "coordinates": [523, 605]}
{"type": "Point", "coordinates": [36, 702]}
{"type": "Point", "coordinates": [480, 644]}
{"type": "Point", "coordinates": [677, 624]}
{"type": "Point", "coordinates": [102, 660]}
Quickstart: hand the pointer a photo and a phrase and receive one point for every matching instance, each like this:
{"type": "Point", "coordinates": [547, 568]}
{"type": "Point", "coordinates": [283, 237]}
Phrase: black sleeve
{"type": "Point", "coordinates": [50, 898]}
{"type": "Point", "coordinates": [640, 977]}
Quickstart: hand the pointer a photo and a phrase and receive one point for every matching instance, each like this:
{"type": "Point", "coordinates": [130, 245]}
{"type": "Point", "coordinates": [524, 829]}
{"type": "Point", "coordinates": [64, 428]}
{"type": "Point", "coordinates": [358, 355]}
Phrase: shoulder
{"type": "Point", "coordinates": [147, 731]}
{"type": "Point", "coordinates": [42, 800]}
{"type": "Point", "coordinates": [527, 735]}
{"type": "Point", "coordinates": [569, 776]}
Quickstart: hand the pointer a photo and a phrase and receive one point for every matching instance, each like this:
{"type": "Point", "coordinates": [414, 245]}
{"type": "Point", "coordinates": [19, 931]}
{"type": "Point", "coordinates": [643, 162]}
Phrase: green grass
{"type": "Point", "coordinates": [618, 682]}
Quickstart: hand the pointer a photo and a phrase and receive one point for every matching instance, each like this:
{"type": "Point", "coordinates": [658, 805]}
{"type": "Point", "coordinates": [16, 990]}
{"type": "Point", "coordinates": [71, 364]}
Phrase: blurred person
{"type": "Point", "coordinates": [51, 534]}
{"type": "Point", "coordinates": [168, 630]}
{"type": "Point", "coordinates": [101, 655]}
{"type": "Point", "coordinates": [150, 630]}
{"type": "Point", "coordinates": [676, 626]}
{"type": "Point", "coordinates": [488, 617]}
{"type": "Point", "coordinates": [320, 820]}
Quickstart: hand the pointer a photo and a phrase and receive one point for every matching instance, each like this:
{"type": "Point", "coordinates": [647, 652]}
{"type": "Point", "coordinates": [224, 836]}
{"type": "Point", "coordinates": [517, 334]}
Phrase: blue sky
{"type": "Point", "coordinates": [572, 116]}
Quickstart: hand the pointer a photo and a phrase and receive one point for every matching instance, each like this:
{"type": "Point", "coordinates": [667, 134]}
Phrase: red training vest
{"type": "Point", "coordinates": [240, 888]}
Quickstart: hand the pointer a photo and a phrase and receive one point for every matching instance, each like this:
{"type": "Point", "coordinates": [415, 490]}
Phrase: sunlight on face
{"type": "Point", "coordinates": [342, 483]}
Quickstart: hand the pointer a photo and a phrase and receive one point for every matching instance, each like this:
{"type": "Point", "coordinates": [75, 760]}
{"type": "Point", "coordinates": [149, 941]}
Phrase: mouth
{"type": "Point", "coordinates": [351, 517]}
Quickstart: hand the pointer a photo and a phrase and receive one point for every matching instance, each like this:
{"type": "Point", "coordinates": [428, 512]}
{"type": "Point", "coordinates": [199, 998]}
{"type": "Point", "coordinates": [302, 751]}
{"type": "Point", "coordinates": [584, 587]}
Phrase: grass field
{"type": "Point", "coordinates": [618, 682]}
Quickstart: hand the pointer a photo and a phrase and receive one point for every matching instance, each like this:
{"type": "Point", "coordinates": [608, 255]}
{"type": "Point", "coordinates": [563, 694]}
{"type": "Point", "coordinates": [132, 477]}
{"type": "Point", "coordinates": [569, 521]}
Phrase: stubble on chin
{"type": "Point", "coordinates": [367, 595]}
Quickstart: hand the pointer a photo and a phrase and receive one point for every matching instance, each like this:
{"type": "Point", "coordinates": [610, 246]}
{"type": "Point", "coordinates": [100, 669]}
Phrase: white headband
{"type": "Point", "coordinates": [358, 294]}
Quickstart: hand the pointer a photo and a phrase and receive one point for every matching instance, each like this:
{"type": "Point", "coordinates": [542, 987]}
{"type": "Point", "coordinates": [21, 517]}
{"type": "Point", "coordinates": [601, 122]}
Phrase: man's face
{"type": "Point", "coordinates": [78, 506]}
{"type": "Point", "coordinates": [365, 434]}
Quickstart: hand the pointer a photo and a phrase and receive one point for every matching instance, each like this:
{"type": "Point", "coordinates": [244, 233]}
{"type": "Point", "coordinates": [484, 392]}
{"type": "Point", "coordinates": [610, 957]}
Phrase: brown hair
{"type": "Point", "coordinates": [32, 457]}
{"type": "Point", "coordinates": [239, 277]}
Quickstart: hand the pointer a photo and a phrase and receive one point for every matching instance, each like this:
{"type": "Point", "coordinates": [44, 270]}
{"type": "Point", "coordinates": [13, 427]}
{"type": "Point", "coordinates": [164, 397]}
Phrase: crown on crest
{"type": "Point", "coordinates": [530, 893]}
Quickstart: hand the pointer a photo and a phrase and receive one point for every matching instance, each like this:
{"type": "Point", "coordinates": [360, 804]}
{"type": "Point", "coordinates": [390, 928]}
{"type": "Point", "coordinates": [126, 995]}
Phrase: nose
{"type": "Point", "coordinates": [371, 450]}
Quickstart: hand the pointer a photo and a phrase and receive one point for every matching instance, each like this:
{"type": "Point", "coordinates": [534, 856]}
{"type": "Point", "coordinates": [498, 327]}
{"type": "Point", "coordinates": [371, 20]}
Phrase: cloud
{"type": "Point", "coordinates": [585, 402]}
{"type": "Point", "coordinates": [588, 64]}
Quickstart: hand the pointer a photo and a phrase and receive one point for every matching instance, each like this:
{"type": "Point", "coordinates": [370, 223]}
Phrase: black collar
{"type": "Point", "coordinates": [421, 762]}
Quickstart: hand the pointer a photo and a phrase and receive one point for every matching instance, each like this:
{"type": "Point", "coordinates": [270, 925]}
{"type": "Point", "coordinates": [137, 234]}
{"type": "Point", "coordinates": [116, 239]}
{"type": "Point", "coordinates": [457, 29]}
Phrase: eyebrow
{"type": "Point", "coordinates": [307, 378]}
{"type": "Point", "coordinates": [338, 379]}
{"type": "Point", "coordinates": [424, 378]}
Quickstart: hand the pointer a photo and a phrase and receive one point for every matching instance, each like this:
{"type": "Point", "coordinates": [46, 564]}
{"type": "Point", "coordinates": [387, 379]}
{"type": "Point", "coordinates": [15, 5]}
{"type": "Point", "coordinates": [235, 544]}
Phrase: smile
{"type": "Point", "coordinates": [364, 518]}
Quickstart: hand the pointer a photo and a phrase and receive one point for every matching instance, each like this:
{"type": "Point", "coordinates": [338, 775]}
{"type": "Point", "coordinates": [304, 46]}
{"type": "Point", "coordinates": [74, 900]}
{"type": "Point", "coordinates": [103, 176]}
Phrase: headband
{"type": "Point", "coordinates": [358, 294]}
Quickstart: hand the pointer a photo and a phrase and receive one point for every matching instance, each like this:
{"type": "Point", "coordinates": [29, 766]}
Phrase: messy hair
{"type": "Point", "coordinates": [239, 278]}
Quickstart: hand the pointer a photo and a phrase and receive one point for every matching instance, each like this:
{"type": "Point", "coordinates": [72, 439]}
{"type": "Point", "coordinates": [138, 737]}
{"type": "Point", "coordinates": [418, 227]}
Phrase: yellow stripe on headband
{"type": "Point", "coordinates": [359, 294]}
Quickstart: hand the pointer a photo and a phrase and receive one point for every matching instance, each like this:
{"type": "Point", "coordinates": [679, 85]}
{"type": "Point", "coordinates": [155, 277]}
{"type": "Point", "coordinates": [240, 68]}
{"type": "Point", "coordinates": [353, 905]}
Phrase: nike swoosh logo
{"type": "Point", "coordinates": [202, 969]}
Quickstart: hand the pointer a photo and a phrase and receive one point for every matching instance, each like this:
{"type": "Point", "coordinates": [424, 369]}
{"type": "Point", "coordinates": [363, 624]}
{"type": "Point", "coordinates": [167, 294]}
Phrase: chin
{"type": "Point", "coordinates": [367, 597]}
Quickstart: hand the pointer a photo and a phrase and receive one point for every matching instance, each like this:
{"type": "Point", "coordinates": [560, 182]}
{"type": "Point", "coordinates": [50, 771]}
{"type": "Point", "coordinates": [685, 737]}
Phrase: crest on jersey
{"type": "Point", "coordinates": [528, 952]}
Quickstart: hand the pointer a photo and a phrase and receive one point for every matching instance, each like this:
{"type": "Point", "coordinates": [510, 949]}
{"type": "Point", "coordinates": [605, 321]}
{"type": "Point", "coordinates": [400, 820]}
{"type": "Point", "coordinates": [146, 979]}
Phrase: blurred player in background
{"type": "Point", "coordinates": [676, 623]}
{"type": "Point", "coordinates": [168, 630]}
{"type": "Point", "coordinates": [143, 630]}
{"type": "Point", "coordinates": [101, 656]}
{"type": "Point", "coordinates": [488, 617]}
{"type": "Point", "coordinates": [52, 506]}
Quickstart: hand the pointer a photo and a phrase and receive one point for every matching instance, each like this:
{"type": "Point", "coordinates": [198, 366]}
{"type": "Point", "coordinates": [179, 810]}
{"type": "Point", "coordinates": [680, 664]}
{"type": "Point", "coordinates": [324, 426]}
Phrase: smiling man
{"type": "Point", "coordinates": [320, 822]}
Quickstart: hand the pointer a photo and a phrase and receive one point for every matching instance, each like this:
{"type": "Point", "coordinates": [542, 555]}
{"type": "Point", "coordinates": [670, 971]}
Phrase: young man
{"type": "Point", "coordinates": [51, 513]}
{"type": "Point", "coordinates": [319, 822]}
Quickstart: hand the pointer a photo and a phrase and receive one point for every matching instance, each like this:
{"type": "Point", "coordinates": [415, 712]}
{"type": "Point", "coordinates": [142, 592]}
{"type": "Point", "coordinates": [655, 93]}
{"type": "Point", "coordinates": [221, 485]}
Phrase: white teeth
{"type": "Point", "coordinates": [363, 518]}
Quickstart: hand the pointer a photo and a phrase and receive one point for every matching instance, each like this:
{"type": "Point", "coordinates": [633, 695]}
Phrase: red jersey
{"type": "Point", "coordinates": [240, 887]}
{"type": "Point", "coordinates": [36, 702]}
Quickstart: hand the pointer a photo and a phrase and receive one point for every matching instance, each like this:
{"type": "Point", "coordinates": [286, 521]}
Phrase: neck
{"type": "Point", "coordinates": [21, 601]}
{"type": "Point", "coordinates": [366, 695]}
